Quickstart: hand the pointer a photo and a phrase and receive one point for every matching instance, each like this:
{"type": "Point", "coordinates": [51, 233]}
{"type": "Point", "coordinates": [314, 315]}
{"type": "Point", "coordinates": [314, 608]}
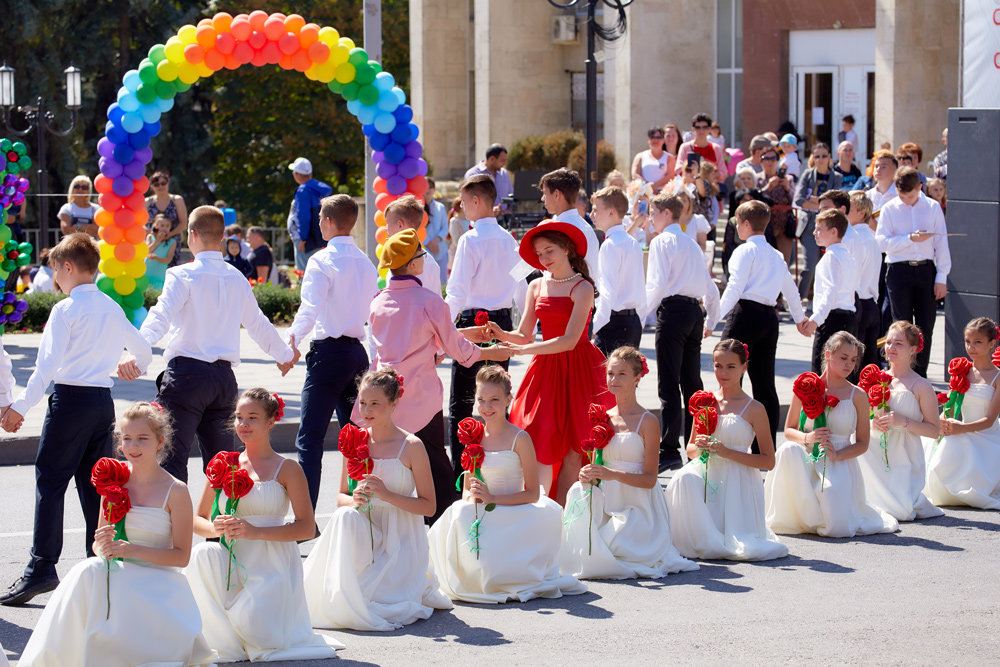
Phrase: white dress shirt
{"type": "Point", "coordinates": [861, 243]}
{"type": "Point", "coordinates": [836, 282]}
{"type": "Point", "coordinates": [431, 277]}
{"type": "Point", "coordinates": [878, 199]}
{"type": "Point", "coordinates": [337, 291]}
{"type": "Point", "coordinates": [480, 274]}
{"type": "Point", "coordinates": [898, 221]}
{"type": "Point", "coordinates": [43, 281]}
{"type": "Point", "coordinates": [622, 285]}
{"type": "Point", "coordinates": [201, 308]}
{"type": "Point", "coordinates": [758, 272]}
{"type": "Point", "coordinates": [677, 267]}
{"type": "Point", "coordinates": [572, 216]}
{"type": "Point", "coordinates": [82, 344]}
{"type": "Point", "coordinates": [6, 378]}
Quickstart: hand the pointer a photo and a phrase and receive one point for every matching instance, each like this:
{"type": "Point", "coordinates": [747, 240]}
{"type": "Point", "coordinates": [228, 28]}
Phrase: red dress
{"type": "Point", "coordinates": [551, 403]}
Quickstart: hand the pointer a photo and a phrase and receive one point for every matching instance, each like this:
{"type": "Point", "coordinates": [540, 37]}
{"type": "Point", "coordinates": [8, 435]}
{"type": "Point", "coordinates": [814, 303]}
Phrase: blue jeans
{"type": "Point", "coordinates": [302, 257]}
{"type": "Point", "coordinates": [812, 257]}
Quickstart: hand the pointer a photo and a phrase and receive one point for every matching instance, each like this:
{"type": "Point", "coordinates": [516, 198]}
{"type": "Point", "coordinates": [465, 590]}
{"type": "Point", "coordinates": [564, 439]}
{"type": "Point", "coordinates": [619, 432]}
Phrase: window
{"type": "Point", "coordinates": [729, 69]}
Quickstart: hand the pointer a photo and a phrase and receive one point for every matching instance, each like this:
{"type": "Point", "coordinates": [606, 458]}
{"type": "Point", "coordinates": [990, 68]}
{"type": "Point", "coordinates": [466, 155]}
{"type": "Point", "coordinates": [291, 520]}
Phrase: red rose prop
{"type": "Point", "coordinates": [884, 377]}
{"type": "Point", "coordinates": [832, 401]}
{"type": "Point", "coordinates": [601, 434]}
{"type": "Point", "coordinates": [996, 357]}
{"type": "Point", "coordinates": [482, 318]}
{"type": "Point", "coordinates": [238, 483]}
{"type": "Point", "coordinates": [870, 375]}
{"type": "Point", "coordinates": [942, 398]}
{"type": "Point", "coordinates": [958, 369]}
{"type": "Point", "coordinates": [645, 368]}
{"type": "Point", "coordinates": [470, 431]}
{"type": "Point", "coordinates": [808, 384]}
{"type": "Point", "coordinates": [218, 468]}
{"type": "Point", "coordinates": [350, 439]}
{"type": "Point", "coordinates": [358, 468]}
{"type": "Point", "coordinates": [706, 420]}
{"type": "Point", "coordinates": [281, 408]}
{"type": "Point", "coordinates": [109, 472]}
{"type": "Point", "coordinates": [472, 456]}
{"type": "Point", "coordinates": [959, 383]}
{"type": "Point", "coordinates": [878, 395]}
{"type": "Point", "coordinates": [116, 503]}
{"type": "Point", "coordinates": [598, 414]}
{"type": "Point", "coordinates": [588, 446]}
{"type": "Point", "coordinates": [702, 399]}
{"type": "Point", "coordinates": [813, 405]}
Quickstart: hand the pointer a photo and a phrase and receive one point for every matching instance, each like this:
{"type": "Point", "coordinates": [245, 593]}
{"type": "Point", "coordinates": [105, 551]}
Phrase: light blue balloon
{"type": "Point", "coordinates": [150, 113]}
{"type": "Point", "coordinates": [127, 101]}
{"type": "Point", "coordinates": [132, 80]}
{"type": "Point", "coordinates": [387, 100]}
{"type": "Point", "coordinates": [132, 122]}
{"type": "Point", "coordinates": [164, 105]}
{"type": "Point", "coordinates": [384, 122]}
{"type": "Point", "coordinates": [367, 115]}
{"type": "Point", "coordinates": [353, 106]}
{"type": "Point", "coordinates": [139, 317]}
{"type": "Point", "coordinates": [400, 95]}
{"type": "Point", "coordinates": [384, 81]}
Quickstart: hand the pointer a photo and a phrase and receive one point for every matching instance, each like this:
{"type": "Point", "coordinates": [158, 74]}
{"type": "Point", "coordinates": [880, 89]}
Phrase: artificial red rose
{"type": "Point", "coordinates": [996, 357]}
{"type": "Point", "coordinates": [472, 456]}
{"type": "Point", "coordinates": [702, 399]}
{"type": "Point", "coordinates": [601, 434]}
{"type": "Point", "coordinates": [470, 431]}
{"type": "Point", "coordinates": [351, 437]}
{"type": "Point", "coordinates": [869, 375]}
{"type": "Point", "coordinates": [808, 384]}
{"type": "Point", "coordinates": [482, 318]}
{"type": "Point", "coordinates": [362, 453]}
{"type": "Point", "coordinates": [238, 483]}
{"type": "Point", "coordinates": [116, 503]}
{"type": "Point", "coordinates": [959, 383]}
{"type": "Point", "coordinates": [588, 445]}
{"type": "Point", "coordinates": [942, 398]}
{"type": "Point", "coordinates": [877, 395]}
{"type": "Point", "coordinates": [598, 414]}
{"type": "Point", "coordinates": [885, 378]}
{"type": "Point", "coordinates": [832, 401]}
{"type": "Point", "coordinates": [813, 405]}
{"type": "Point", "coordinates": [706, 420]}
{"type": "Point", "coordinates": [109, 472]}
{"type": "Point", "coordinates": [221, 465]}
{"type": "Point", "coordinates": [281, 408]}
{"type": "Point", "coordinates": [358, 468]}
{"type": "Point", "coordinates": [959, 366]}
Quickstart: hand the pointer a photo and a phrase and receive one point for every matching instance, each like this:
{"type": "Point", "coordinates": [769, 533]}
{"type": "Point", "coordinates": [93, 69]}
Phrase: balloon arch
{"type": "Point", "coordinates": [227, 42]}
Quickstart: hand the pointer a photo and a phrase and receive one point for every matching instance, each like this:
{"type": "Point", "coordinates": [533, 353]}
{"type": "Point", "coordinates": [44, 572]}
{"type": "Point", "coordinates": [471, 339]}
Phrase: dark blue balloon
{"type": "Point", "coordinates": [124, 153]}
{"type": "Point", "coordinates": [152, 129]}
{"type": "Point", "coordinates": [115, 113]}
{"type": "Point", "coordinates": [403, 113]}
{"type": "Point", "coordinates": [401, 134]}
{"type": "Point", "coordinates": [414, 131]}
{"type": "Point", "coordinates": [138, 140]}
{"type": "Point", "coordinates": [394, 153]}
{"type": "Point", "coordinates": [368, 129]}
{"type": "Point", "coordinates": [115, 133]}
{"type": "Point", "coordinates": [379, 141]}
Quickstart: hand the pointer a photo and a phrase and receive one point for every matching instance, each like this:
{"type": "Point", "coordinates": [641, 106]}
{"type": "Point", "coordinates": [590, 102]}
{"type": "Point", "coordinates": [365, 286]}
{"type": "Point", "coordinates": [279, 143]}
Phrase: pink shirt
{"type": "Point", "coordinates": [408, 325]}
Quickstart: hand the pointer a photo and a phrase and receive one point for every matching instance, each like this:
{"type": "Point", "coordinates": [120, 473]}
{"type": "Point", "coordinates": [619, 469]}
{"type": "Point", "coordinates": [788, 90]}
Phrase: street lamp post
{"type": "Point", "coordinates": [41, 119]}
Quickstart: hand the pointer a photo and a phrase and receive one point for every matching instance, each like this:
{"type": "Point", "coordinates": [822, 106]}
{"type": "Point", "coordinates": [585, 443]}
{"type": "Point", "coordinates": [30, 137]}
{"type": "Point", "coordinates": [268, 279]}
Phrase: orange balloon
{"type": "Point", "coordinates": [214, 60]}
{"type": "Point", "coordinates": [257, 19]}
{"type": "Point", "coordinates": [204, 22]}
{"type": "Point", "coordinates": [206, 35]}
{"type": "Point", "coordinates": [381, 234]}
{"type": "Point", "coordinates": [380, 218]}
{"type": "Point", "coordinates": [308, 35]}
{"type": "Point", "coordinates": [294, 23]}
{"type": "Point", "coordinates": [378, 185]}
{"type": "Point", "coordinates": [423, 221]}
{"type": "Point", "coordinates": [124, 252]}
{"type": "Point", "coordinates": [222, 22]}
{"type": "Point", "coordinates": [319, 52]}
{"type": "Point", "coordinates": [232, 62]}
{"type": "Point", "coordinates": [274, 27]}
{"type": "Point", "coordinates": [383, 200]}
{"type": "Point", "coordinates": [135, 235]}
{"type": "Point", "coordinates": [141, 217]}
{"type": "Point", "coordinates": [285, 62]}
{"type": "Point", "coordinates": [417, 185]}
{"type": "Point", "coordinates": [111, 234]}
{"type": "Point", "coordinates": [104, 217]}
{"type": "Point", "coordinates": [300, 61]}
{"type": "Point", "coordinates": [422, 233]}
{"type": "Point", "coordinates": [194, 53]}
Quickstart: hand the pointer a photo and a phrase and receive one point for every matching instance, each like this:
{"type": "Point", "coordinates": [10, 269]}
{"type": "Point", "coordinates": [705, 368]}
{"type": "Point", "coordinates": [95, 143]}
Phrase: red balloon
{"type": "Point", "coordinates": [102, 184]}
{"type": "Point", "coordinates": [110, 234]}
{"type": "Point", "coordinates": [124, 218]}
{"type": "Point", "coordinates": [135, 202]}
{"type": "Point", "coordinates": [109, 201]}
{"type": "Point", "coordinates": [285, 62]}
{"type": "Point", "coordinates": [142, 185]}
{"type": "Point", "coordinates": [194, 53]}
{"type": "Point", "coordinates": [225, 43]}
{"type": "Point", "coordinates": [417, 185]}
{"type": "Point", "coordinates": [124, 252]}
{"type": "Point", "coordinates": [378, 185]}
{"type": "Point", "coordinates": [257, 39]}
{"type": "Point", "coordinates": [288, 43]}
{"type": "Point", "coordinates": [272, 54]}
{"type": "Point", "coordinates": [258, 59]}
{"type": "Point", "coordinates": [383, 200]}
{"type": "Point", "coordinates": [300, 61]}
{"type": "Point", "coordinates": [243, 53]}
{"type": "Point", "coordinates": [214, 60]}
{"type": "Point", "coordinates": [319, 52]}
{"type": "Point", "coordinates": [274, 27]}
{"type": "Point", "coordinates": [241, 29]}
{"type": "Point", "coordinates": [257, 19]}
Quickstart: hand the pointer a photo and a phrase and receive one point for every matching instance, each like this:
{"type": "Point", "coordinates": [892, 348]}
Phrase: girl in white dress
{"type": "Point", "coordinates": [897, 488]}
{"type": "Point", "coordinates": [726, 519]}
{"type": "Point", "coordinates": [370, 570]}
{"type": "Point", "coordinates": [964, 468]}
{"type": "Point", "coordinates": [630, 533]}
{"type": "Point", "coordinates": [152, 617]}
{"type": "Point", "coordinates": [826, 496]}
{"type": "Point", "coordinates": [262, 615]}
{"type": "Point", "coordinates": [518, 540]}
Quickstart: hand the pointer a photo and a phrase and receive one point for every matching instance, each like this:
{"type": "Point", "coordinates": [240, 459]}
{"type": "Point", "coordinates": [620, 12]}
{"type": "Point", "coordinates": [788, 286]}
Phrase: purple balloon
{"type": "Point", "coordinates": [377, 157]}
{"type": "Point", "coordinates": [414, 149]}
{"type": "Point", "coordinates": [135, 170]}
{"type": "Point", "coordinates": [122, 186]}
{"type": "Point", "coordinates": [110, 168]}
{"type": "Point", "coordinates": [144, 155]}
{"type": "Point", "coordinates": [105, 148]}
{"type": "Point", "coordinates": [421, 166]}
{"type": "Point", "coordinates": [21, 305]}
{"type": "Point", "coordinates": [408, 168]}
{"type": "Point", "coordinates": [386, 170]}
{"type": "Point", "coordinates": [395, 185]}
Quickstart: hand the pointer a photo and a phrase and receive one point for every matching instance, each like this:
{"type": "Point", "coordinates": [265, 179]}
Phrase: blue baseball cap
{"type": "Point", "coordinates": [790, 139]}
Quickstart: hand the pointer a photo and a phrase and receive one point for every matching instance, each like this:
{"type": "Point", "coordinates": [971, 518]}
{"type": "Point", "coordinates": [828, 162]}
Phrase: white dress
{"type": "Point", "coordinates": [518, 544]}
{"type": "Point", "coordinates": [263, 616]}
{"type": "Point", "coordinates": [346, 589]}
{"type": "Point", "coordinates": [797, 501]}
{"type": "Point", "coordinates": [898, 489]}
{"type": "Point", "coordinates": [730, 524]}
{"type": "Point", "coordinates": [630, 533]}
{"type": "Point", "coordinates": [153, 618]}
{"type": "Point", "coordinates": [964, 469]}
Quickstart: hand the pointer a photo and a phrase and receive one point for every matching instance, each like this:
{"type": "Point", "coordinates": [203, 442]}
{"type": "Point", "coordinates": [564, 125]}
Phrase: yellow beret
{"type": "Point", "coordinates": [399, 249]}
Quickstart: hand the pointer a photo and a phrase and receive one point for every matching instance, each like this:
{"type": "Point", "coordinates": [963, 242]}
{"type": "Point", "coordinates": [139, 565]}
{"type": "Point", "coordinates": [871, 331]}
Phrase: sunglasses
{"type": "Point", "coordinates": [905, 158]}
{"type": "Point", "coordinates": [820, 157]}
{"type": "Point", "coordinates": [769, 158]}
{"type": "Point", "coordinates": [159, 182]}
{"type": "Point", "coordinates": [81, 187]}
{"type": "Point", "coordinates": [700, 127]}
{"type": "Point", "coordinates": [656, 136]}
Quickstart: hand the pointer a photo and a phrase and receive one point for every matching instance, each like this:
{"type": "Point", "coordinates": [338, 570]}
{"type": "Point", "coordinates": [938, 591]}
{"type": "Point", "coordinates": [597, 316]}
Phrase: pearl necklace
{"type": "Point", "coordinates": [564, 280]}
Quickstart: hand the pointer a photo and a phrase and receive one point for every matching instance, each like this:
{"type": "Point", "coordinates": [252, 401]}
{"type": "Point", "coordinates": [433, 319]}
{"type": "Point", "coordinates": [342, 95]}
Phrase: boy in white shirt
{"type": "Point", "coordinates": [560, 189]}
{"type": "Point", "coordinates": [408, 213]}
{"type": "Point", "coordinates": [81, 345]}
{"type": "Point", "coordinates": [621, 305]}
{"type": "Point", "coordinates": [337, 289]}
{"type": "Point", "coordinates": [835, 287]}
{"type": "Point", "coordinates": [860, 240]}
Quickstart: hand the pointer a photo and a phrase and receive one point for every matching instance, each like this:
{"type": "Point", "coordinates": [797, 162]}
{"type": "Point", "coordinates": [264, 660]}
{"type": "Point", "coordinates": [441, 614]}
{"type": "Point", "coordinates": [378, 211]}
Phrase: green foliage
{"type": "Point", "coordinates": [150, 296]}
{"type": "Point", "coordinates": [39, 305]}
{"type": "Point", "coordinates": [277, 303]}
{"type": "Point", "coordinates": [564, 148]}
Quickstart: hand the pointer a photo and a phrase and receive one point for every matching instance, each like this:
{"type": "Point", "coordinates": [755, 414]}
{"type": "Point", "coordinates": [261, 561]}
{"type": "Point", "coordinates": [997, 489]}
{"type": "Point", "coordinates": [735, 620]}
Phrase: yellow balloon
{"type": "Point", "coordinates": [325, 72]}
{"type": "Point", "coordinates": [383, 272]}
{"type": "Point", "coordinates": [174, 50]}
{"type": "Point", "coordinates": [106, 249]}
{"type": "Point", "coordinates": [188, 35]}
{"type": "Point", "coordinates": [166, 70]}
{"type": "Point", "coordinates": [141, 251]}
{"type": "Point", "coordinates": [347, 43]}
{"type": "Point", "coordinates": [136, 268]}
{"type": "Point", "coordinates": [329, 36]}
{"type": "Point", "coordinates": [203, 69]}
{"type": "Point", "coordinates": [378, 251]}
{"type": "Point", "coordinates": [338, 55]}
{"type": "Point", "coordinates": [345, 73]}
{"type": "Point", "coordinates": [124, 285]}
{"type": "Point", "coordinates": [188, 73]}
{"type": "Point", "coordinates": [111, 267]}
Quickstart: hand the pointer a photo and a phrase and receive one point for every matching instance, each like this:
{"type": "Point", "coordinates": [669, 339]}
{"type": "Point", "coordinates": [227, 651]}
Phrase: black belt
{"type": "Point", "coordinates": [80, 389]}
{"type": "Point", "coordinates": [471, 312]}
{"type": "Point", "coordinates": [221, 363]}
{"type": "Point", "coordinates": [922, 262]}
{"type": "Point", "coordinates": [677, 298]}
{"type": "Point", "coordinates": [338, 339]}
{"type": "Point", "coordinates": [844, 311]}
{"type": "Point", "coordinates": [627, 311]}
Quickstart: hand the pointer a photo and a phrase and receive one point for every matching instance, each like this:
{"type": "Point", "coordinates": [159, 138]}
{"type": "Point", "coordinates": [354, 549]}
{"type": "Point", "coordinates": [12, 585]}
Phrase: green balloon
{"type": "Point", "coordinates": [335, 86]}
{"type": "Point", "coordinates": [141, 284]}
{"type": "Point", "coordinates": [358, 57]}
{"type": "Point", "coordinates": [25, 248]}
{"type": "Point", "coordinates": [9, 246]}
{"type": "Point", "coordinates": [23, 260]}
{"type": "Point", "coordinates": [147, 73]}
{"type": "Point", "coordinates": [6, 144]}
{"type": "Point", "coordinates": [20, 147]}
{"type": "Point", "coordinates": [375, 66]}
{"type": "Point", "coordinates": [105, 284]}
{"type": "Point", "coordinates": [368, 95]}
{"type": "Point", "coordinates": [181, 86]}
{"type": "Point", "coordinates": [116, 296]}
{"type": "Point", "coordinates": [381, 283]}
{"type": "Point", "coordinates": [146, 93]}
{"type": "Point", "coordinates": [350, 91]}
{"type": "Point", "coordinates": [9, 265]}
{"type": "Point", "coordinates": [4, 233]}
{"type": "Point", "coordinates": [165, 90]}
{"type": "Point", "coordinates": [4, 274]}
{"type": "Point", "coordinates": [133, 300]}
{"type": "Point", "coordinates": [129, 313]}
{"type": "Point", "coordinates": [364, 74]}
{"type": "Point", "coordinates": [157, 53]}
{"type": "Point", "coordinates": [24, 163]}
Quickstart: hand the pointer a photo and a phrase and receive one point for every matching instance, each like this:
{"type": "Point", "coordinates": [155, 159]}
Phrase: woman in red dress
{"type": "Point", "coordinates": [566, 373]}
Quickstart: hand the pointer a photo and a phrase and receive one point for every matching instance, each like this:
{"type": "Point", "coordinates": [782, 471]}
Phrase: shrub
{"type": "Point", "coordinates": [150, 295]}
{"type": "Point", "coordinates": [564, 148]}
{"type": "Point", "coordinates": [39, 305]}
{"type": "Point", "coordinates": [605, 159]}
{"type": "Point", "coordinates": [277, 303]}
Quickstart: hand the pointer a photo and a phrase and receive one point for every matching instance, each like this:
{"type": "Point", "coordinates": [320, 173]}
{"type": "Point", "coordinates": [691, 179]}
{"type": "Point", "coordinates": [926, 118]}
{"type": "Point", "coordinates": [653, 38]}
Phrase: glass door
{"type": "Point", "coordinates": [816, 109]}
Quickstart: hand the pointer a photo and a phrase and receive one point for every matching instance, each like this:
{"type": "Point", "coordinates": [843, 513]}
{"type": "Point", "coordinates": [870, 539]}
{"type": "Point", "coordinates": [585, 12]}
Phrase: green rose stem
{"type": "Point", "coordinates": [817, 453]}
{"type": "Point", "coordinates": [119, 535]}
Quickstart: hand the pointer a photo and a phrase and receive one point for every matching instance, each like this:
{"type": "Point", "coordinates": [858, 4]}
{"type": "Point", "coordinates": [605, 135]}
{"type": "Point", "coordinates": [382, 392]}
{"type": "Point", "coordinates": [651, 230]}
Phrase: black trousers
{"type": "Point", "coordinates": [201, 398]}
{"type": "Point", "coordinates": [77, 432]}
{"type": "Point", "coordinates": [463, 382]}
{"type": "Point", "coordinates": [911, 297]}
{"type": "Point", "coordinates": [885, 312]}
{"type": "Point", "coordinates": [679, 328]}
{"type": "Point", "coordinates": [757, 325]}
{"type": "Point", "coordinates": [432, 436]}
{"type": "Point", "coordinates": [333, 367]}
{"type": "Point", "coordinates": [623, 328]}
{"type": "Point", "coordinates": [838, 319]}
{"type": "Point", "coordinates": [869, 327]}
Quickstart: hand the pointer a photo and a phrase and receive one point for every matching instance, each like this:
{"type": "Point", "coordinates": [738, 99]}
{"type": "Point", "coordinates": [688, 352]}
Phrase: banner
{"type": "Point", "coordinates": [981, 54]}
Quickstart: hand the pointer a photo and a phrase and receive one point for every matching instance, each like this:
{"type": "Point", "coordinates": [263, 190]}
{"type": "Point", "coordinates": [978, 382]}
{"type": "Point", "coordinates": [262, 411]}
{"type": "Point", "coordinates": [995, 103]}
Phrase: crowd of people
{"type": "Point", "coordinates": [557, 481]}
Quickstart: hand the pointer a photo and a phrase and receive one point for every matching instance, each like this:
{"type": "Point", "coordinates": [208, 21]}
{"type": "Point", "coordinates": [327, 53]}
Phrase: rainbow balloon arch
{"type": "Point", "coordinates": [228, 42]}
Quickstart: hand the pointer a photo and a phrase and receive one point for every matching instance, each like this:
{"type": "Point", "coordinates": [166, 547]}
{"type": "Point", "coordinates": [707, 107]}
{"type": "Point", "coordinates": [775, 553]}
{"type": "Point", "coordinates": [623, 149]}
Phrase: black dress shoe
{"type": "Point", "coordinates": [22, 590]}
{"type": "Point", "coordinates": [669, 461]}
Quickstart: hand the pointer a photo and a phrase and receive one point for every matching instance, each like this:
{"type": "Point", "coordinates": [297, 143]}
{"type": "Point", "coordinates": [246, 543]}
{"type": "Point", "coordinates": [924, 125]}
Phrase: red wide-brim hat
{"type": "Point", "coordinates": [527, 247]}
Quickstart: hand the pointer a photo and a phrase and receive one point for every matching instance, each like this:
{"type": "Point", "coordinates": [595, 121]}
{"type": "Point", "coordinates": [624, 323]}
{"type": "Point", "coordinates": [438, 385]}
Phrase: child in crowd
{"type": "Point", "coordinates": [511, 552]}
{"type": "Point", "coordinates": [337, 288]}
{"type": "Point", "coordinates": [936, 190]}
{"type": "Point", "coordinates": [894, 468]}
{"type": "Point", "coordinates": [861, 243]}
{"type": "Point", "coordinates": [162, 247]}
{"type": "Point", "coordinates": [457, 226]}
{"type": "Point", "coordinates": [83, 340]}
{"type": "Point", "coordinates": [790, 156]}
{"type": "Point", "coordinates": [370, 570]}
{"type": "Point", "coordinates": [261, 257]}
{"type": "Point", "coordinates": [42, 277]}
{"type": "Point", "coordinates": [963, 467]}
{"type": "Point", "coordinates": [717, 500]}
{"type": "Point", "coordinates": [237, 231]}
{"type": "Point", "coordinates": [628, 535]}
{"type": "Point", "coordinates": [138, 609]}
{"type": "Point", "coordinates": [408, 213]}
{"type": "Point", "coordinates": [826, 495]}
{"type": "Point", "coordinates": [565, 374]}
{"type": "Point", "coordinates": [694, 224]}
{"type": "Point", "coordinates": [236, 260]}
{"type": "Point", "coordinates": [836, 284]}
{"type": "Point", "coordinates": [250, 592]}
